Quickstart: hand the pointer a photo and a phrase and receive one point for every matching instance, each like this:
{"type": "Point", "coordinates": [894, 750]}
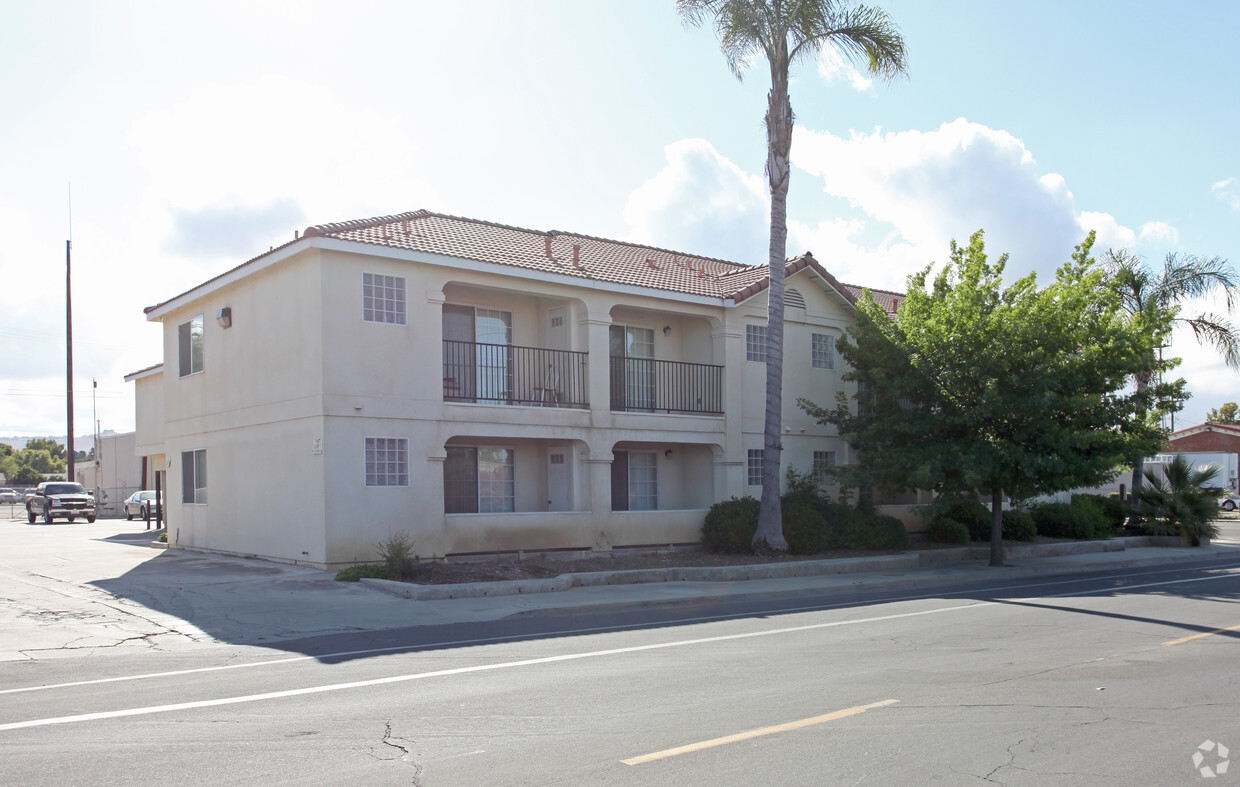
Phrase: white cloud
{"type": "Point", "coordinates": [252, 147]}
{"type": "Point", "coordinates": [1227, 191]}
{"type": "Point", "coordinates": [1159, 231]}
{"type": "Point", "coordinates": [1110, 233]}
{"type": "Point", "coordinates": [935, 186]}
{"type": "Point", "coordinates": [834, 67]}
{"type": "Point", "coordinates": [702, 203]}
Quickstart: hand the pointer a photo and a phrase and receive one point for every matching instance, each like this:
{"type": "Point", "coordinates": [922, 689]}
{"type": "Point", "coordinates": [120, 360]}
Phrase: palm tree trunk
{"type": "Point", "coordinates": [769, 535]}
{"type": "Point", "coordinates": [1138, 467]}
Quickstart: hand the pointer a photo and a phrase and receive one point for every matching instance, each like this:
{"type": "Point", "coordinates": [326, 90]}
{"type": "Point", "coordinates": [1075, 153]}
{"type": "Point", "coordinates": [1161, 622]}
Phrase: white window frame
{"type": "Point", "coordinates": [822, 351]}
{"type": "Point", "coordinates": [384, 299]}
{"type": "Point", "coordinates": [191, 347]}
{"type": "Point", "coordinates": [753, 466]}
{"type": "Point", "coordinates": [506, 501]}
{"type": "Point", "coordinates": [823, 459]}
{"type": "Point", "coordinates": [643, 492]}
{"type": "Point", "coordinates": [386, 461]}
{"type": "Point", "coordinates": [755, 342]}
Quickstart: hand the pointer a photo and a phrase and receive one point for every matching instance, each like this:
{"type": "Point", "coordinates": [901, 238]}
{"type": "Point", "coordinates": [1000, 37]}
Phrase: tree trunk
{"type": "Point", "coordinates": [996, 527]}
{"type": "Point", "coordinates": [1138, 467]}
{"type": "Point", "coordinates": [769, 535]}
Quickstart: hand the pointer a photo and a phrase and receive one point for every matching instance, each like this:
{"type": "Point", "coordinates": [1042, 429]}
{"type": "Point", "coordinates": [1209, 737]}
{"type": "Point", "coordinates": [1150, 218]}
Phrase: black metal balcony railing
{"type": "Point", "coordinates": [507, 374]}
{"type": "Point", "coordinates": [647, 385]}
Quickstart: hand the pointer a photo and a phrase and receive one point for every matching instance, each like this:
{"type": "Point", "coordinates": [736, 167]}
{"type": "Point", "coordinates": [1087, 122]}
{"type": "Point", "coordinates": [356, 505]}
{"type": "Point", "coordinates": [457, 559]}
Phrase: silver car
{"type": "Point", "coordinates": [9, 496]}
{"type": "Point", "coordinates": [140, 504]}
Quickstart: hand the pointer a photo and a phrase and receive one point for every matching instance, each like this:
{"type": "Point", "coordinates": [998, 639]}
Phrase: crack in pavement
{"type": "Point", "coordinates": [405, 754]}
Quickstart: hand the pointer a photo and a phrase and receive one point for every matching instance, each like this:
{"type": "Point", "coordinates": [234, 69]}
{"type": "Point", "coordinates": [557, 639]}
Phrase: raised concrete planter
{"type": "Point", "coordinates": [801, 568]}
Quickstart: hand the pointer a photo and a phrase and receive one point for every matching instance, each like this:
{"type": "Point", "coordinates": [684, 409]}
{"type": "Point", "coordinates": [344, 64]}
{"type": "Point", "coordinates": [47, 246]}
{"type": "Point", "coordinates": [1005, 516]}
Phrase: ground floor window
{"type": "Point", "coordinates": [634, 481]}
{"type": "Point", "coordinates": [479, 480]}
{"type": "Point", "coordinates": [194, 476]}
{"type": "Point", "coordinates": [387, 461]}
{"type": "Point", "coordinates": [754, 467]}
{"type": "Point", "coordinates": [823, 462]}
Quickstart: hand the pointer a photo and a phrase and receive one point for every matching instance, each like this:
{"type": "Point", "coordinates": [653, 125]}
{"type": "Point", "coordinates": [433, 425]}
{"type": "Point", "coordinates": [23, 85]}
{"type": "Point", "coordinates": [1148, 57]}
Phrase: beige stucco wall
{"type": "Point", "coordinates": [291, 391]}
{"type": "Point", "coordinates": [256, 410]}
{"type": "Point", "coordinates": [149, 394]}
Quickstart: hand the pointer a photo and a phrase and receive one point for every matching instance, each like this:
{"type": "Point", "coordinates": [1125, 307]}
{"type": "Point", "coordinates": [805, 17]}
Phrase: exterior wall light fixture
{"type": "Point", "coordinates": [224, 317]}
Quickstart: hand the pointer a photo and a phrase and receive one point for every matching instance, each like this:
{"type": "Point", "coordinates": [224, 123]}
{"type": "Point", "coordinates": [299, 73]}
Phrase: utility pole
{"type": "Point", "coordinates": [94, 412]}
{"type": "Point", "coordinates": [69, 475]}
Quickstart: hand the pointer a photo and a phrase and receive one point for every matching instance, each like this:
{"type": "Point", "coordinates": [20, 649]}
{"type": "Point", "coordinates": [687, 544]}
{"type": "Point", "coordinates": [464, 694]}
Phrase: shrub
{"type": "Point", "coordinates": [968, 512]}
{"type": "Point", "coordinates": [1065, 520]}
{"type": "Point", "coordinates": [805, 527]}
{"type": "Point", "coordinates": [398, 556]}
{"type": "Point", "coordinates": [945, 530]}
{"type": "Point", "coordinates": [872, 530]}
{"type": "Point", "coordinates": [354, 573]}
{"type": "Point", "coordinates": [1018, 525]}
{"type": "Point", "coordinates": [1111, 507]}
{"type": "Point", "coordinates": [730, 525]}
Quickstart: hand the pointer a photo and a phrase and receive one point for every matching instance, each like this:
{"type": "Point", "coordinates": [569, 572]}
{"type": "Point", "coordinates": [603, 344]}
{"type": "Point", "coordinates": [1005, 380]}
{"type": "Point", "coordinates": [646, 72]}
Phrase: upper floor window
{"type": "Point", "coordinates": [189, 342]}
{"type": "Point", "coordinates": [387, 461]}
{"type": "Point", "coordinates": [822, 351]}
{"type": "Point", "coordinates": [755, 343]}
{"type": "Point", "coordinates": [383, 298]}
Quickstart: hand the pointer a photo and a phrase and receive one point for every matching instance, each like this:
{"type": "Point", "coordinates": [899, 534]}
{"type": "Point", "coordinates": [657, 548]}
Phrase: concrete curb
{"type": "Point", "coordinates": [908, 561]}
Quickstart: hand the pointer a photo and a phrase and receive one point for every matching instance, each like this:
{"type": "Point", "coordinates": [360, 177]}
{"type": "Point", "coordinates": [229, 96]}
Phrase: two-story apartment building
{"type": "Point", "coordinates": [482, 387]}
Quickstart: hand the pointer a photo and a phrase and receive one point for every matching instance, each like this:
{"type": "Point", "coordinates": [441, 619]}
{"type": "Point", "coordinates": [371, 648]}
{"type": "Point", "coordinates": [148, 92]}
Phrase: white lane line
{"type": "Point", "coordinates": [143, 711]}
{"type": "Point", "coordinates": [593, 630]}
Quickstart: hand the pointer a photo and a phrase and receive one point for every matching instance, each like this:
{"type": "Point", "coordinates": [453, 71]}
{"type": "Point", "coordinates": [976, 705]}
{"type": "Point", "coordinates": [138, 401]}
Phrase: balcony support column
{"type": "Point", "coordinates": [598, 343]}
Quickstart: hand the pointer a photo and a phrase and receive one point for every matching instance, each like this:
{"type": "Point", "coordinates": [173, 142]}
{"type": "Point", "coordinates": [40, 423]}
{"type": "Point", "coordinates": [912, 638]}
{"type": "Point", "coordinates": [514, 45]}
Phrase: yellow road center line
{"type": "Point", "coordinates": [1199, 636]}
{"type": "Point", "coordinates": [744, 736]}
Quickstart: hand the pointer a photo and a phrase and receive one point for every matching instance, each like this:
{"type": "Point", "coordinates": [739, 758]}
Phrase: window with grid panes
{"type": "Point", "coordinates": [383, 298]}
{"type": "Point", "coordinates": [755, 343]}
{"type": "Point", "coordinates": [387, 461]}
{"type": "Point", "coordinates": [822, 351]}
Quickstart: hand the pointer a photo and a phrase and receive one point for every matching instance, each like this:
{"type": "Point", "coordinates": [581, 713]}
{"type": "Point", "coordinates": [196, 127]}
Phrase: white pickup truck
{"type": "Point", "coordinates": [1229, 502]}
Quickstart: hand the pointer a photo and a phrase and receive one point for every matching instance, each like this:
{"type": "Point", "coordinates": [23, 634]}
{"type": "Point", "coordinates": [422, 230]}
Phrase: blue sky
{"type": "Point", "coordinates": [197, 135]}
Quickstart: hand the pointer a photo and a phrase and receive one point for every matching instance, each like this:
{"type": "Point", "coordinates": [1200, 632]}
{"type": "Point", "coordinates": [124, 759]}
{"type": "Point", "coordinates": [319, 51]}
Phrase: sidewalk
{"type": "Point", "coordinates": [68, 588]}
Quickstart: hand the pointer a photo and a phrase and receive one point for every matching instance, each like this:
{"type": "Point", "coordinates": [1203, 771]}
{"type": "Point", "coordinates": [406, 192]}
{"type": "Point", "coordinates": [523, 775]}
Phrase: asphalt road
{"type": "Point", "coordinates": [1112, 679]}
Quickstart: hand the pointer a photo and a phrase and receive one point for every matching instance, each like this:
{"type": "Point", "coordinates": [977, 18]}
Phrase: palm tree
{"type": "Point", "coordinates": [785, 32]}
{"type": "Point", "coordinates": [1146, 295]}
{"type": "Point", "coordinates": [1180, 505]}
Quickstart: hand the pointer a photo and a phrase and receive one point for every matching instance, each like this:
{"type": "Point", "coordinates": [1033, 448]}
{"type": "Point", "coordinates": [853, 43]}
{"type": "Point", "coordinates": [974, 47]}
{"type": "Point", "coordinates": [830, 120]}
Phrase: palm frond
{"type": "Point", "coordinates": [1192, 277]}
{"type": "Point", "coordinates": [1218, 332]}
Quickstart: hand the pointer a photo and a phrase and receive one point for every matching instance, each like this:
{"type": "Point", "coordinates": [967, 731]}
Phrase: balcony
{"type": "Point", "coordinates": [645, 385]}
{"type": "Point", "coordinates": [510, 375]}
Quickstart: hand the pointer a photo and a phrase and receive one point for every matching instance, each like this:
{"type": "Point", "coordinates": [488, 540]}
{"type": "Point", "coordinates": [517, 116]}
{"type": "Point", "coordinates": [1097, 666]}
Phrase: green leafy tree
{"type": "Point", "coordinates": [1179, 504]}
{"type": "Point", "coordinates": [1000, 391]}
{"type": "Point", "coordinates": [54, 449]}
{"type": "Point", "coordinates": [1227, 414]}
{"type": "Point", "coordinates": [784, 32]}
{"type": "Point", "coordinates": [1153, 301]}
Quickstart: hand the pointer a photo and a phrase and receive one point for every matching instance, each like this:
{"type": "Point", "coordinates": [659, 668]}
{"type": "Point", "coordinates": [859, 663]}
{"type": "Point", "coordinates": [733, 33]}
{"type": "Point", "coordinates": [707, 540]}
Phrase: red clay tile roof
{"type": "Point", "coordinates": [571, 254]}
{"type": "Point", "coordinates": [575, 255]}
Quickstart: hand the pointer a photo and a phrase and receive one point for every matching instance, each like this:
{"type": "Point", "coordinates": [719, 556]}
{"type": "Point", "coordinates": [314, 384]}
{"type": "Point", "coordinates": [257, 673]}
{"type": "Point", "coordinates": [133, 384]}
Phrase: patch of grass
{"type": "Point", "coordinates": [354, 573]}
